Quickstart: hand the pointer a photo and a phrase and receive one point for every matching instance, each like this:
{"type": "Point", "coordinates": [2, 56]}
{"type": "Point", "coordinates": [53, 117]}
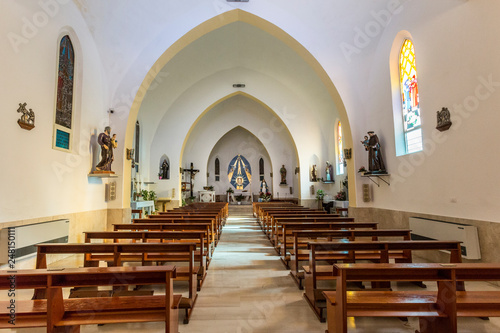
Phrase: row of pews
{"type": "Point", "coordinates": [351, 269]}
{"type": "Point", "coordinates": [119, 269]}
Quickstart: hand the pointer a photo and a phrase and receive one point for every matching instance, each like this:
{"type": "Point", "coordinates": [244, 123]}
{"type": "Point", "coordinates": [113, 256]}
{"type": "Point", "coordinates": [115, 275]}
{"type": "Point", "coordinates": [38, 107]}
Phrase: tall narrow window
{"type": "Point", "coordinates": [64, 104]}
{"type": "Point", "coordinates": [137, 145]}
{"type": "Point", "coordinates": [261, 169]}
{"type": "Point", "coordinates": [409, 98]}
{"type": "Point", "coordinates": [340, 147]}
{"type": "Point", "coordinates": [217, 169]}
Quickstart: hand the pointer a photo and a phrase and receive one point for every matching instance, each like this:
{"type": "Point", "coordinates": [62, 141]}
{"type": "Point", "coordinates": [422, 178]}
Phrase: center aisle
{"type": "Point", "coordinates": [247, 288]}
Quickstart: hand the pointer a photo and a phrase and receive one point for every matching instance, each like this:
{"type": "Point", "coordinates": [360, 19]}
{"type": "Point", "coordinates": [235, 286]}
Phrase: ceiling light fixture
{"type": "Point", "coordinates": [239, 85]}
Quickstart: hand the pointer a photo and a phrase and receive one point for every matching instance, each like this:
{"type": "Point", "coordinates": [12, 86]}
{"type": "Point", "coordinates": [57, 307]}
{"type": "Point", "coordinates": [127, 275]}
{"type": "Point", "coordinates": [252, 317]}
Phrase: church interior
{"type": "Point", "coordinates": [243, 103]}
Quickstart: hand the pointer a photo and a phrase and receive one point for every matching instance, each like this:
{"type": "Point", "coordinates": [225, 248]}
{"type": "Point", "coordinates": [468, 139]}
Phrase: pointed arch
{"type": "Point", "coordinates": [215, 23]}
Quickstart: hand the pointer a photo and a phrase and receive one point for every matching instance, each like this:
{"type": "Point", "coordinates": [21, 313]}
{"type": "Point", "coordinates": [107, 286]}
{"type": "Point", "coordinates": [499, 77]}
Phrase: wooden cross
{"type": "Point", "coordinates": [192, 172]}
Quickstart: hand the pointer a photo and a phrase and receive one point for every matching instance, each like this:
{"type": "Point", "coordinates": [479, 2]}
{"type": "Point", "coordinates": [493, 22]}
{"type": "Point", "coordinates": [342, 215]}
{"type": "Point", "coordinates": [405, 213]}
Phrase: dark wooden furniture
{"type": "Point", "coordinates": [66, 315]}
{"type": "Point", "coordinates": [350, 252]}
{"type": "Point", "coordinates": [437, 310]}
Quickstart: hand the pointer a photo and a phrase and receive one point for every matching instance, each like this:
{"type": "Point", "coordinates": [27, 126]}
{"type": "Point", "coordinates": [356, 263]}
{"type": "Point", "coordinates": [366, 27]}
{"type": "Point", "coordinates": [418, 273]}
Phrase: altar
{"type": "Point", "coordinates": [207, 196]}
{"type": "Point", "coordinates": [243, 197]}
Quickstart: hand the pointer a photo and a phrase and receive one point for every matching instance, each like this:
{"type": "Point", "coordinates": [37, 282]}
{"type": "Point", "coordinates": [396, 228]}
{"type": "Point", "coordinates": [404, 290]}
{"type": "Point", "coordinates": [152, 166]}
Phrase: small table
{"type": "Point", "coordinates": [149, 206]}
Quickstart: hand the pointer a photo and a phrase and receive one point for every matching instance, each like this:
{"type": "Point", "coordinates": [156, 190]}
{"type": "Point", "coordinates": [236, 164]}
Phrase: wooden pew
{"type": "Point", "coordinates": [258, 205]}
{"type": "Point", "coordinates": [190, 215]}
{"type": "Point", "coordinates": [66, 315]}
{"type": "Point", "coordinates": [437, 310]}
{"type": "Point", "coordinates": [164, 220]}
{"type": "Point", "coordinates": [283, 235]}
{"type": "Point", "coordinates": [278, 234]}
{"type": "Point", "coordinates": [272, 218]}
{"type": "Point", "coordinates": [153, 226]}
{"type": "Point", "coordinates": [115, 254]}
{"type": "Point", "coordinates": [301, 239]}
{"type": "Point", "coordinates": [375, 251]}
{"type": "Point", "coordinates": [202, 254]}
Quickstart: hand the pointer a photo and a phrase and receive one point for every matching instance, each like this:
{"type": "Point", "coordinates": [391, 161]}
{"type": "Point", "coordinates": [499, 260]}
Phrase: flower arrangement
{"type": "Point", "coordinates": [239, 198]}
{"type": "Point", "coordinates": [265, 196]}
{"type": "Point", "coordinates": [341, 196]}
{"type": "Point", "coordinates": [362, 169]}
{"type": "Point", "coordinates": [230, 190]}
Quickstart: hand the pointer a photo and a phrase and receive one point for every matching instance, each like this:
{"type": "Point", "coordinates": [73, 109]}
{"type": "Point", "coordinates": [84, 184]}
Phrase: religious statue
{"type": "Point", "coordinates": [164, 174]}
{"type": "Point", "coordinates": [365, 142]}
{"type": "Point", "coordinates": [329, 173]}
{"type": "Point", "coordinates": [443, 119]}
{"type": "Point", "coordinates": [375, 161]}
{"type": "Point", "coordinates": [105, 141]}
{"type": "Point", "coordinates": [113, 145]}
{"type": "Point", "coordinates": [263, 187]}
{"type": "Point", "coordinates": [314, 174]}
{"type": "Point", "coordinates": [283, 175]}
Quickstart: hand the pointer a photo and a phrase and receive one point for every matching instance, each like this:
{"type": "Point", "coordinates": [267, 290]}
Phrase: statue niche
{"type": "Point", "coordinates": [164, 168]}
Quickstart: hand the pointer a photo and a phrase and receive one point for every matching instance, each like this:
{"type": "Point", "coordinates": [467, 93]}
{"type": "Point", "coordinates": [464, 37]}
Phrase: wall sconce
{"type": "Point", "coordinates": [297, 170]}
{"type": "Point", "coordinates": [181, 170]}
{"type": "Point", "coordinates": [347, 153]}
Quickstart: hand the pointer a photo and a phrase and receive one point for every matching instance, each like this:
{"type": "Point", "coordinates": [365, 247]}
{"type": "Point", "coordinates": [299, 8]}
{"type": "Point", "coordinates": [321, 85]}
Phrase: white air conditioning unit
{"type": "Point", "coordinates": [422, 229]}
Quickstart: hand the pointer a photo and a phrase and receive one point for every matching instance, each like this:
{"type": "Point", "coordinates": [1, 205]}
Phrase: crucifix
{"type": "Point", "coordinates": [192, 172]}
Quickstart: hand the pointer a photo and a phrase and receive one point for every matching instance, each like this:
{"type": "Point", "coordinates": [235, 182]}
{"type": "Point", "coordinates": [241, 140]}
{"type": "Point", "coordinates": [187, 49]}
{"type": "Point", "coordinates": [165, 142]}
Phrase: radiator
{"type": "Point", "coordinates": [26, 237]}
{"type": "Point", "coordinates": [422, 229]}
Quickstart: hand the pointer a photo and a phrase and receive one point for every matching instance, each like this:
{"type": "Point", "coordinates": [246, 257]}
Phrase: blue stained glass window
{"type": "Point", "coordinates": [62, 139]}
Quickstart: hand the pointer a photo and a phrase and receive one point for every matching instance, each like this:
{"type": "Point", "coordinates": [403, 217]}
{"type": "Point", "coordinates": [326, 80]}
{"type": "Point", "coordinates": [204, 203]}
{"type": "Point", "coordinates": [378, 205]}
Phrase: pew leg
{"type": "Point", "coordinates": [436, 324]}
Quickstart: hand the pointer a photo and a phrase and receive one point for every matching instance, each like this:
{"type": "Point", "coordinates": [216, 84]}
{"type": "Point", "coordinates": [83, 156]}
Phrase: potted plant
{"type": "Point", "coordinates": [230, 190]}
{"type": "Point", "coordinates": [362, 170]}
{"type": "Point", "coordinates": [319, 196]}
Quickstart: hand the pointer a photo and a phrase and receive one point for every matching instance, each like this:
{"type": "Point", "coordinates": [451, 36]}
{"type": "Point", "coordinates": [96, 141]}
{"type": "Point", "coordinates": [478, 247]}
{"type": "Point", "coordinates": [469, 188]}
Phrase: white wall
{"type": "Point", "coordinates": [38, 181]}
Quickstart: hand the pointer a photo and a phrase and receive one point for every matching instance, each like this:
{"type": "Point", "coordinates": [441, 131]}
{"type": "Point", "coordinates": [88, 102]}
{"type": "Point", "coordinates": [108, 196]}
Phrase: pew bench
{"type": "Point", "coordinates": [169, 227]}
{"type": "Point", "coordinates": [301, 239]}
{"type": "Point", "coordinates": [284, 227]}
{"type": "Point", "coordinates": [437, 310]}
{"type": "Point", "coordinates": [202, 253]}
{"type": "Point", "coordinates": [66, 315]}
{"type": "Point", "coordinates": [352, 252]}
{"type": "Point", "coordinates": [115, 254]}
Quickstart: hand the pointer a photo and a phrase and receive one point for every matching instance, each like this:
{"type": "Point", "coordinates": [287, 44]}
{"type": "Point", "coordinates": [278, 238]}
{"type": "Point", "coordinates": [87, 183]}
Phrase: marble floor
{"type": "Point", "coordinates": [248, 290]}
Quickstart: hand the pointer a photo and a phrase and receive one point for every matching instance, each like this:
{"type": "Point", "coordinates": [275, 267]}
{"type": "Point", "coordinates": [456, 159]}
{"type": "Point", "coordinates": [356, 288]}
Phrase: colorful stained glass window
{"type": "Point", "coordinates": [64, 105]}
{"type": "Point", "coordinates": [410, 98]}
{"type": "Point", "coordinates": [340, 147]}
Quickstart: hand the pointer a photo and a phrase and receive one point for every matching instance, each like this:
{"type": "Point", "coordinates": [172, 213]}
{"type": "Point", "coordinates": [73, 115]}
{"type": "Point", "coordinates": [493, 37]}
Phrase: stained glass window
{"type": "Point", "coordinates": [410, 98]}
{"type": "Point", "coordinates": [64, 105]}
{"type": "Point", "coordinates": [63, 118]}
{"type": "Point", "coordinates": [340, 147]}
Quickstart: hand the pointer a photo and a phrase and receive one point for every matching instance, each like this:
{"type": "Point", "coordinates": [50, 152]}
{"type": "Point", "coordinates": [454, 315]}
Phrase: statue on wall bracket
{"type": "Point", "coordinates": [107, 143]}
{"type": "Point", "coordinates": [443, 119]}
{"type": "Point", "coordinates": [375, 161]}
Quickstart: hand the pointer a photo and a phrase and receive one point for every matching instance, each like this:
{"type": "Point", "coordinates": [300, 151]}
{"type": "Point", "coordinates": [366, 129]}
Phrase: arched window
{"type": "Point", "coordinates": [64, 104]}
{"type": "Point", "coordinates": [340, 153]}
{"type": "Point", "coordinates": [217, 169]}
{"type": "Point", "coordinates": [409, 98]}
{"type": "Point", "coordinates": [137, 144]}
{"type": "Point", "coordinates": [261, 169]}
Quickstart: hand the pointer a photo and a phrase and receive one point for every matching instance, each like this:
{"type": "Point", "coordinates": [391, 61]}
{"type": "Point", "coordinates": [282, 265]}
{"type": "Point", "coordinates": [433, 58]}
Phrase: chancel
{"type": "Point", "coordinates": [258, 135]}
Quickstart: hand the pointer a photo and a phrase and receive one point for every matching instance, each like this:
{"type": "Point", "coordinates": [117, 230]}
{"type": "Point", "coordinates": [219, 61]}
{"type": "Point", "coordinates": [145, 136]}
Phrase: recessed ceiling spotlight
{"type": "Point", "coordinates": [239, 85]}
